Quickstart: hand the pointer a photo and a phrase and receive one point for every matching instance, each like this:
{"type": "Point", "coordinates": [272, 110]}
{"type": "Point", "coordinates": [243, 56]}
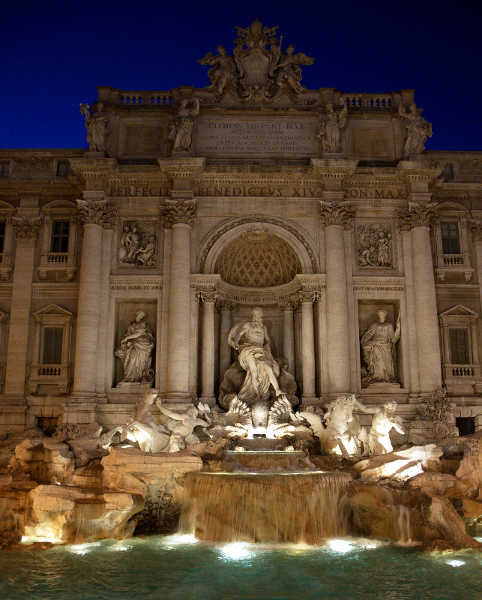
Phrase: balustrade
{"type": "Point", "coordinates": [369, 101]}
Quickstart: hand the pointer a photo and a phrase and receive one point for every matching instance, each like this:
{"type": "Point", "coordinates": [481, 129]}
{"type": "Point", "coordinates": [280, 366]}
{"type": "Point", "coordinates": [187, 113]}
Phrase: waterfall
{"type": "Point", "coordinates": [265, 508]}
{"type": "Point", "coordinates": [404, 527]}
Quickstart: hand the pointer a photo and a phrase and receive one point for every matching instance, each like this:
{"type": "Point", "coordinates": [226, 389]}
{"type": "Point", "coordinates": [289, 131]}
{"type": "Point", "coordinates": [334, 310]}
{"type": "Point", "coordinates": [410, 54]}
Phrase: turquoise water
{"type": "Point", "coordinates": [176, 567]}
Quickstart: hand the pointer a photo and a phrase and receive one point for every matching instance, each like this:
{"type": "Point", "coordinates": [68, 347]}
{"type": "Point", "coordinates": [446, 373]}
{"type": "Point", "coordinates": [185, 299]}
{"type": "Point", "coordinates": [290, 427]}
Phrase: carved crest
{"type": "Point", "coordinates": [258, 70]}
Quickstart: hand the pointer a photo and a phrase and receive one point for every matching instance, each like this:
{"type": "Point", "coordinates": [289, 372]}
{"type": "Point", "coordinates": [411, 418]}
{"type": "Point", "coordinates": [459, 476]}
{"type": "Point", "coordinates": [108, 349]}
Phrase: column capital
{"type": "Point", "coordinates": [178, 211]}
{"type": "Point", "coordinates": [225, 305]}
{"type": "Point", "coordinates": [416, 216]}
{"type": "Point", "coordinates": [96, 212]}
{"type": "Point", "coordinates": [26, 227]}
{"type": "Point", "coordinates": [308, 296]}
{"type": "Point", "coordinates": [332, 213]}
{"type": "Point", "coordinates": [288, 303]}
{"type": "Point", "coordinates": [208, 296]}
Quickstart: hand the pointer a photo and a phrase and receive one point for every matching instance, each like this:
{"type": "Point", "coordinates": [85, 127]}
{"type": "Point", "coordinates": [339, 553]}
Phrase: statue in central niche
{"type": "Point", "coordinates": [135, 351]}
{"type": "Point", "coordinates": [252, 342]}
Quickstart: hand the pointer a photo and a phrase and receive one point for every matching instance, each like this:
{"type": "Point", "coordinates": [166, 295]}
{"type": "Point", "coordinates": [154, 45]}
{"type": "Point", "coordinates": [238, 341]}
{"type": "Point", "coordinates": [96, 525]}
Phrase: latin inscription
{"type": "Point", "coordinates": [261, 135]}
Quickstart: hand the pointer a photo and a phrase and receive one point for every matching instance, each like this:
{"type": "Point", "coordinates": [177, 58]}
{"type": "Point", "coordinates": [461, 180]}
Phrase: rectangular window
{"type": "Point", "coordinates": [4, 167]}
{"type": "Point", "coordinates": [63, 168]}
{"type": "Point", "coordinates": [459, 346]}
{"type": "Point", "coordinates": [2, 235]}
{"type": "Point", "coordinates": [450, 237]}
{"type": "Point", "coordinates": [60, 236]}
{"type": "Point", "coordinates": [52, 345]}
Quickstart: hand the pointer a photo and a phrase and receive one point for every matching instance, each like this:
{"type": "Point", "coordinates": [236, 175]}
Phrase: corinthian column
{"type": "Point", "coordinates": [26, 232]}
{"type": "Point", "coordinates": [179, 215]}
{"type": "Point", "coordinates": [207, 347]}
{"type": "Point", "coordinates": [477, 233]}
{"type": "Point", "coordinates": [287, 306]}
{"type": "Point", "coordinates": [308, 345]}
{"type": "Point", "coordinates": [95, 214]}
{"type": "Point", "coordinates": [418, 220]}
{"type": "Point", "coordinates": [336, 217]}
{"type": "Point", "coordinates": [224, 348]}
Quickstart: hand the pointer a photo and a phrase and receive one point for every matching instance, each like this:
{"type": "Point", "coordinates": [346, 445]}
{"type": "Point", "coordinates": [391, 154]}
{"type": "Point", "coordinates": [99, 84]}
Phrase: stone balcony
{"type": "Point", "coordinates": [60, 265]}
{"type": "Point", "coordinates": [49, 379]}
{"type": "Point", "coordinates": [454, 264]}
{"type": "Point", "coordinates": [462, 378]}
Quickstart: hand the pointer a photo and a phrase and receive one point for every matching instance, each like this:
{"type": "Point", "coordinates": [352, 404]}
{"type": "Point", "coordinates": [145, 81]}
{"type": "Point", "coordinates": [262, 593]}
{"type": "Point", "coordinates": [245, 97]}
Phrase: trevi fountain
{"type": "Point", "coordinates": [246, 406]}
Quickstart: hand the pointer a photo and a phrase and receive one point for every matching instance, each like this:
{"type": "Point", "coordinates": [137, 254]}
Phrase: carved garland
{"type": "Point", "coordinates": [257, 219]}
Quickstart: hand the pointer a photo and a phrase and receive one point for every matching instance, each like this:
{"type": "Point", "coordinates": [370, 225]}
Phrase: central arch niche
{"type": "Point", "coordinates": [257, 259]}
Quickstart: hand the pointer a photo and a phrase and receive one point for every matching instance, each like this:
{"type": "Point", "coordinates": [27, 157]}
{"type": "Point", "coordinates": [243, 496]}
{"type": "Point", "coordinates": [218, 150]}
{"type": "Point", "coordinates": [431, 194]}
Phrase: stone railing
{"type": "Point", "coordinates": [135, 98]}
{"type": "Point", "coordinates": [369, 101]}
{"type": "Point", "coordinates": [453, 259]}
{"type": "Point", "coordinates": [57, 261]}
{"type": "Point", "coordinates": [49, 375]}
{"type": "Point", "coordinates": [461, 371]}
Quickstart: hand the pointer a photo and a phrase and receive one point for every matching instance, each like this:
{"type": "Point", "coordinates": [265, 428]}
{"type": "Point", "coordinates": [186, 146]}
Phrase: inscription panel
{"type": "Point", "coordinates": [275, 136]}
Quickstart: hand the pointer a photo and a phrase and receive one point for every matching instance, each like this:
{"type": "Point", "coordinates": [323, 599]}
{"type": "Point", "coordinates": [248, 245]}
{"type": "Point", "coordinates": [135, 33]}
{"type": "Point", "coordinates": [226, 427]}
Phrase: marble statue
{"type": "Point", "coordinates": [374, 246]}
{"type": "Point", "coordinates": [137, 247]}
{"type": "Point", "coordinates": [418, 130]}
{"type": "Point", "coordinates": [181, 425]}
{"type": "Point", "coordinates": [331, 124]}
{"type": "Point", "coordinates": [288, 72]}
{"type": "Point", "coordinates": [144, 430]}
{"type": "Point", "coordinates": [384, 420]}
{"type": "Point", "coordinates": [95, 126]}
{"type": "Point", "coordinates": [135, 351]}
{"type": "Point", "coordinates": [183, 125]}
{"type": "Point", "coordinates": [252, 342]}
{"type": "Point", "coordinates": [222, 71]}
{"type": "Point", "coordinates": [378, 349]}
{"type": "Point", "coordinates": [343, 435]}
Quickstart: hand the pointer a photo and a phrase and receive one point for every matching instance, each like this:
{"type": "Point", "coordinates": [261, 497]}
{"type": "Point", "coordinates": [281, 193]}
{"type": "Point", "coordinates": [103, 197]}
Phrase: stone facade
{"type": "Point", "coordinates": [193, 206]}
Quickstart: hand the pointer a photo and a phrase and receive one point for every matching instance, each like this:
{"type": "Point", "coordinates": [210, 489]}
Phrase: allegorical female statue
{"type": "Point", "coordinates": [378, 348]}
{"type": "Point", "coordinates": [135, 351]}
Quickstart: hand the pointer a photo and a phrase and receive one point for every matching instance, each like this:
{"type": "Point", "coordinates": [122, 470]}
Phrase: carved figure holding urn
{"type": "Point", "coordinates": [331, 124]}
{"type": "Point", "coordinates": [418, 130]}
{"type": "Point", "coordinates": [135, 351]}
{"type": "Point", "coordinates": [378, 349]}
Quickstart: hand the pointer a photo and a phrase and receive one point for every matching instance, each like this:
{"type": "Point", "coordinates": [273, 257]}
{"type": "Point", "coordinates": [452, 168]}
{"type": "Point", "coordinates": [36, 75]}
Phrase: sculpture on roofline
{"type": "Point", "coordinates": [418, 130]}
{"type": "Point", "coordinates": [331, 124]}
{"type": "Point", "coordinates": [258, 70]}
{"type": "Point", "coordinates": [182, 127]}
{"type": "Point", "coordinates": [95, 125]}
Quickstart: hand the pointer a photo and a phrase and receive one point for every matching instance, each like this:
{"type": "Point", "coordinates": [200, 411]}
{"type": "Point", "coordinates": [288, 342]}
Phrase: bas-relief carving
{"type": "Point", "coordinates": [258, 70]}
{"type": "Point", "coordinates": [378, 351]}
{"type": "Point", "coordinates": [138, 244]}
{"type": "Point", "coordinates": [417, 130]}
{"type": "Point", "coordinates": [375, 246]}
{"type": "Point", "coordinates": [135, 351]}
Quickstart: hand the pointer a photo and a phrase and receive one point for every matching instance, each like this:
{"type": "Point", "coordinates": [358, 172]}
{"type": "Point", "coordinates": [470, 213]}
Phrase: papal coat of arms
{"type": "Point", "coordinates": [259, 69]}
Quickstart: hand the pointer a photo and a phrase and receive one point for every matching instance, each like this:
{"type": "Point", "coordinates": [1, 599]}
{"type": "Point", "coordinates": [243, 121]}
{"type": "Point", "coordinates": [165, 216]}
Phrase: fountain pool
{"type": "Point", "coordinates": [171, 567]}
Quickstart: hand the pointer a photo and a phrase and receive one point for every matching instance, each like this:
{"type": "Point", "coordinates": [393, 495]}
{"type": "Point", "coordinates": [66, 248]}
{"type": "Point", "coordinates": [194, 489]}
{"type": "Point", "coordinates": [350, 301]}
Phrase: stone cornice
{"type": "Point", "coordinates": [334, 213]}
{"type": "Point", "coordinates": [182, 168]}
{"type": "Point", "coordinates": [94, 168]}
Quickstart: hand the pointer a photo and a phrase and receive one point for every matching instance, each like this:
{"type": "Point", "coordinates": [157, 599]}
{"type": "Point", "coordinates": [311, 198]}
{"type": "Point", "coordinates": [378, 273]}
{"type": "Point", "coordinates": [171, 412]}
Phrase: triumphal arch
{"type": "Point", "coordinates": [129, 265]}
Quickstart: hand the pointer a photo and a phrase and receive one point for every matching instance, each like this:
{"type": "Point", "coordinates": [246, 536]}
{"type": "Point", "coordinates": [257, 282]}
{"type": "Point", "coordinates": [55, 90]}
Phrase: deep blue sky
{"type": "Point", "coordinates": [54, 54]}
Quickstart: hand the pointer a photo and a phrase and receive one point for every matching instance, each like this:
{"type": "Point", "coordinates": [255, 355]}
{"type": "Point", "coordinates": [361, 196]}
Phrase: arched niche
{"type": "Point", "coordinates": [227, 233]}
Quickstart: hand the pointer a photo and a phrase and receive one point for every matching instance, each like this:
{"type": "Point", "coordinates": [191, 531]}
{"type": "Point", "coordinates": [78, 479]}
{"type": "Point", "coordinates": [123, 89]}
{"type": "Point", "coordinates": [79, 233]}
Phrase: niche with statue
{"type": "Point", "coordinates": [135, 343]}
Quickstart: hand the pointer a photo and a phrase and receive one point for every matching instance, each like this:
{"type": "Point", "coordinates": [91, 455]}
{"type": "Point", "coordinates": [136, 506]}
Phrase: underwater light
{"type": "Point", "coordinates": [236, 551]}
{"type": "Point", "coordinates": [455, 563]}
{"type": "Point", "coordinates": [340, 546]}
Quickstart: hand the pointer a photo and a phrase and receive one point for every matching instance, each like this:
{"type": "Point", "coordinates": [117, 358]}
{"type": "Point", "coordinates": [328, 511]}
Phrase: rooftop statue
{"type": "Point", "coordinates": [258, 70]}
{"type": "Point", "coordinates": [95, 125]}
{"type": "Point", "coordinates": [418, 130]}
{"type": "Point", "coordinates": [331, 124]}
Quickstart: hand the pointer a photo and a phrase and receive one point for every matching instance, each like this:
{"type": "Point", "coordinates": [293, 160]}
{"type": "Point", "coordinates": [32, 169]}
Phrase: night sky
{"type": "Point", "coordinates": [54, 54]}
